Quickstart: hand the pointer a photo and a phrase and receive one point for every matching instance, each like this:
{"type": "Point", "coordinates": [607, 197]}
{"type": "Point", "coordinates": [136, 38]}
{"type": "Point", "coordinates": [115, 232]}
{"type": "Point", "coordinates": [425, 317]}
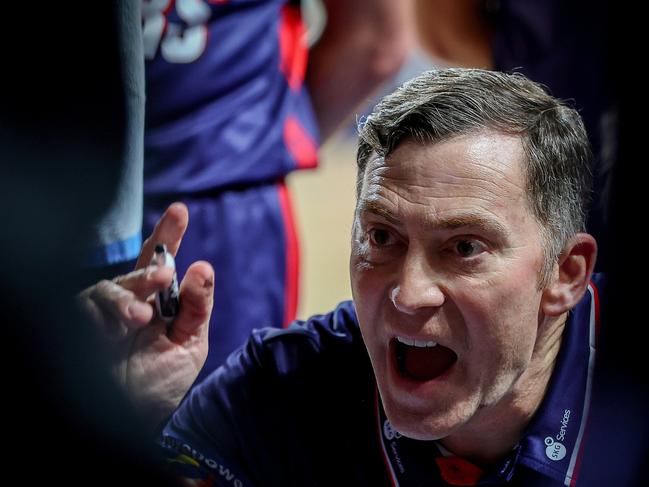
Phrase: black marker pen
{"type": "Point", "coordinates": [167, 301]}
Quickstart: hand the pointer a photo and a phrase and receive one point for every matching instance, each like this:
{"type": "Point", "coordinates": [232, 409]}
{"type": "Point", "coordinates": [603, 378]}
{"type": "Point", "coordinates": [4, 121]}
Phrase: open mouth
{"type": "Point", "coordinates": [421, 360]}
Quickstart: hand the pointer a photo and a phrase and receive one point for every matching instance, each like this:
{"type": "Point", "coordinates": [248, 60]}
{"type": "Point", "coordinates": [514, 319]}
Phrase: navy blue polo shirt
{"type": "Point", "coordinates": [299, 407]}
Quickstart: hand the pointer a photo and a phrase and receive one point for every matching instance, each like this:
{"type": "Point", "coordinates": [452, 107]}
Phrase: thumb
{"type": "Point", "coordinates": [196, 301]}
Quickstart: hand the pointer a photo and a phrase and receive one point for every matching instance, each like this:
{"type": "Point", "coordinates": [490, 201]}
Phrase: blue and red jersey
{"type": "Point", "coordinates": [299, 407]}
{"type": "Point", "coordinates": [226, 102]}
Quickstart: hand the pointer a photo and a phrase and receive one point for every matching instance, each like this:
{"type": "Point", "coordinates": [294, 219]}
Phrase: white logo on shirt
{"type": "Point", "coordinates": [554, 450]}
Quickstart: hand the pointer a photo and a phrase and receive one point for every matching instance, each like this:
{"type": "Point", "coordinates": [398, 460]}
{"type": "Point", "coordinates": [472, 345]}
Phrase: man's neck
{"type": "Point", "coordinates": [496, 429]}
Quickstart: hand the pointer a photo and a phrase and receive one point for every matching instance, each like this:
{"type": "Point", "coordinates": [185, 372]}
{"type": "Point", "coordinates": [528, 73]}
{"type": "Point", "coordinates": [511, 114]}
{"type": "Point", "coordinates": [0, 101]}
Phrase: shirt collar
{"type": "Point", "coordinates": [553, 442]}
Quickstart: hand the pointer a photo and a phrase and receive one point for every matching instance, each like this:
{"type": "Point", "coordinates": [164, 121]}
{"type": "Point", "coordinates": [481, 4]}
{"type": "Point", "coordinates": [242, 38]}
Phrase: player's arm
{"type": "Point", "coordinates": [364, 43]}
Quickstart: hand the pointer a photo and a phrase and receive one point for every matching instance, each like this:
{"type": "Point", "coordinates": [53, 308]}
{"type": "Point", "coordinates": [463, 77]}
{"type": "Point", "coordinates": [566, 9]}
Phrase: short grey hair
{"type": "Point", "coordinates": [441, 104]}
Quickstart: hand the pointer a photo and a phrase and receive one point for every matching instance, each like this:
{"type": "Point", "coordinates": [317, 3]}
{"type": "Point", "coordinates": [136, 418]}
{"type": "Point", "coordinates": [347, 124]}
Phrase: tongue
{"type": "Point", "coordinates": [427, 363]}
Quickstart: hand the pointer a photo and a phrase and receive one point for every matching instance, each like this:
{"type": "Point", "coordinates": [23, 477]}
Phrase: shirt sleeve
{"type": "Point", "coordinates": [203, 439]}
{"type": "Point", "coordinates": [247, 423]}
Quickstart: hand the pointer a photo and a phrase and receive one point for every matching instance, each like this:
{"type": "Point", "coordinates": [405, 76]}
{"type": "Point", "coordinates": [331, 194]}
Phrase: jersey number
{"type": "Point", "coordinates": [177, 43]}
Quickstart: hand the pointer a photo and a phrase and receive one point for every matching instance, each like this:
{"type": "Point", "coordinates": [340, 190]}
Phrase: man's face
{"type": "Point", "coordinates": [445, 266]}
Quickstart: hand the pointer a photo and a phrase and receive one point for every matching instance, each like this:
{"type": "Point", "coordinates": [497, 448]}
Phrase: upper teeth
{"type": "Point", "coordinates": [416, 343]}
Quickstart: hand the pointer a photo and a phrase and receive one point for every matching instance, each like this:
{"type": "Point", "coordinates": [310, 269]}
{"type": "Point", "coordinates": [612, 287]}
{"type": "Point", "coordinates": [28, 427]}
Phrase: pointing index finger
{"type": "Point", "coordinates": [169, 231]}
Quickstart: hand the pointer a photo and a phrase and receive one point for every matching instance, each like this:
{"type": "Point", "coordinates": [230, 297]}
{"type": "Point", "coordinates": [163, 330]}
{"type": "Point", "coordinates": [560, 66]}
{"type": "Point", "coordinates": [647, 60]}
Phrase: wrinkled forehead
{"type": "Point", "coordinates": [486, 160]}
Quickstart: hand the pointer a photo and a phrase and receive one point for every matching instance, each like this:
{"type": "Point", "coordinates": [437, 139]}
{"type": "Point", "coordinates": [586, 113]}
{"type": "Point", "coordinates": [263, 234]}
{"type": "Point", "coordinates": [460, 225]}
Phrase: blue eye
{"type": "Point", "coordinates": [468, 248]}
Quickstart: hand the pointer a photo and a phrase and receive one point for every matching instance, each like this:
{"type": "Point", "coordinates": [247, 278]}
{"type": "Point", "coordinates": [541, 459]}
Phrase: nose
{"type": "Point", "coordinates": [418, 286]}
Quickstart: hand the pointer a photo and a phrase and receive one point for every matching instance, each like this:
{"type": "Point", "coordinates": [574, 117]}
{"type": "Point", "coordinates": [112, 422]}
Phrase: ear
{"type": "Point", "coordinates": [572, 275]}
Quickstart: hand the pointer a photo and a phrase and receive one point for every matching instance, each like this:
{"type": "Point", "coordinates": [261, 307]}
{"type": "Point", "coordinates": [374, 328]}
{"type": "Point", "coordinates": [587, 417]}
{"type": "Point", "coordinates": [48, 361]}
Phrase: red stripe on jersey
{"type": "Point", "coordinates": [291, 280]}
{"type": "Point", "coordinates": [299, 144]}
{"type": "Point", "coordinates": [292, 47]}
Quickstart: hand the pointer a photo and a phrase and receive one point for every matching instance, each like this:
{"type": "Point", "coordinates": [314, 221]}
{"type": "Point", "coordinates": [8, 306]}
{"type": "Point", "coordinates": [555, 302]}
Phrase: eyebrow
{"type": "Point", "coordinates": [463, 220]}
{"type": "Point", "coordinates": [370, 206]}
{"type": "Point", "coordinates": [474, 220]}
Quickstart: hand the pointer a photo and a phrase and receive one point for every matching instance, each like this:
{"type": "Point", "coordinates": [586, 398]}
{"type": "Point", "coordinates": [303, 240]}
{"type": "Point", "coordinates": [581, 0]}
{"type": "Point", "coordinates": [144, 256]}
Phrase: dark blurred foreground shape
{"type": "Point", "coordinates": [64, 105]}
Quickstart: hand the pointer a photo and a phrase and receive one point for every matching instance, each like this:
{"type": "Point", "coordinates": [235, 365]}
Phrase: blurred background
{"type": "Point", "coordinates": [324, 202]}
{"type": "Point", "coordinates": [324, 198]}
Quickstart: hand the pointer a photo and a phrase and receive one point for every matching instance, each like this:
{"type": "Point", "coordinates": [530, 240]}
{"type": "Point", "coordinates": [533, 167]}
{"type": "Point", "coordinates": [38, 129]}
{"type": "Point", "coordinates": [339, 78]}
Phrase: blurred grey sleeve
{"type": "Point", "coordinates": [116, 235]}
